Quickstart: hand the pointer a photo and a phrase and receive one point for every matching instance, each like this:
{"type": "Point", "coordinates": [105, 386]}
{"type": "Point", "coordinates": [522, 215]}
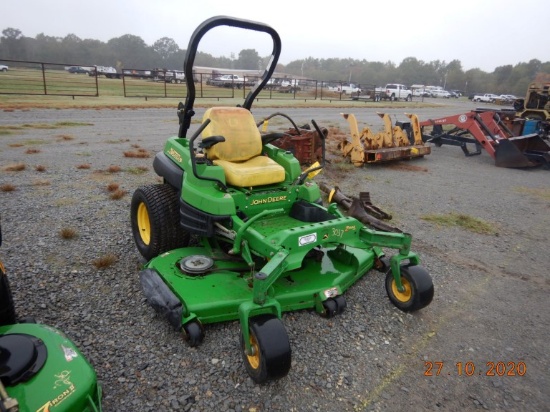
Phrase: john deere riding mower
{"type": "Point", "coordinates": [41, 370]}
{"type": "Point", "coordinates": [261, 242]}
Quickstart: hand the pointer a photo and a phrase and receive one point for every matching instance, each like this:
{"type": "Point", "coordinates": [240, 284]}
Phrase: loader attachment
{"type": "Point", "coordinates": [522, 151]}
{"type": "Point", "coordinates": [487, 130]}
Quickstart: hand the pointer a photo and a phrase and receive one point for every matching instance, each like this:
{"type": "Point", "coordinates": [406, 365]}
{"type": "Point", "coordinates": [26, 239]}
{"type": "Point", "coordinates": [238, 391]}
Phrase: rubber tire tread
{"type": "Point", "coordinates": [330, 308]}
{"type": "Point", "coordinates": [421, 284]}
{"type": "Point", "coordinates": [7, 308]}
{"type": "Point", "coordinates": [275, 351]}
{"type": "Point", "coordinates": [194, 334]}
{"type": "Point", "coordinates": [162, 203]}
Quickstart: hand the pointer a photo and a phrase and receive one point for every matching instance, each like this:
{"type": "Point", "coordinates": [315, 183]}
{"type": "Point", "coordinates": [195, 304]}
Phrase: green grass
{"type": "Point", "coordinates": [543, 194]}
{"type": "Point", "coordinates": [137, 170]}
{"type": "Point", "coordinates": [469, 223]}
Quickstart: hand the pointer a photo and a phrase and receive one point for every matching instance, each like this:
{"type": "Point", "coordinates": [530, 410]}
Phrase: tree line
{"type": "Point", "coordinates": [130, 51]}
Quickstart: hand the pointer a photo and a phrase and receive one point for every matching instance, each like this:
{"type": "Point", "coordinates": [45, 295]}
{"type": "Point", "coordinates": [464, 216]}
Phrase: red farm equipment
{"type": "Point", "coordinates": [499, 135]}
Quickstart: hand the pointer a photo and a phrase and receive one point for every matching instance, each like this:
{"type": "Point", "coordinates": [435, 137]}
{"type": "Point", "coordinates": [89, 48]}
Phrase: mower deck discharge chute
{"type": "Point", "coordinates": [262, 243]}
{"type": "Point", "coordinates": [402, 141]}
{"type": "Point", "coordinates": [487, 130]}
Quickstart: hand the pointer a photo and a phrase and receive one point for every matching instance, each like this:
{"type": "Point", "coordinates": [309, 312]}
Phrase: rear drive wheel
{"type": "Point", "coordinates": [155, 218]}
{"type": "Point", "coordinates": [271, 357]}
{"type": "Point", "coordinates": [7, 309]}
{"type": "Point", "coordinates": [418, 288]}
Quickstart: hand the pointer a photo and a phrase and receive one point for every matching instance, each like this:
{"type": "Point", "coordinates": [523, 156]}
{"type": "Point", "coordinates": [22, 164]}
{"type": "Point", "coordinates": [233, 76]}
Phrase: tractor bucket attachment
{"type": "Point", "coordinates": [487, 130]}
{"type": "Point", "coordinates": [522, 151]}
{"type": "Point", "coordinates": [393, 143]}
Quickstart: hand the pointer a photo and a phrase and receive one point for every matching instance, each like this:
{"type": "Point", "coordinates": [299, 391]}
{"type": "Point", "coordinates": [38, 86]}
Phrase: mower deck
{"type": "Point", "coordinates": [215, 296]}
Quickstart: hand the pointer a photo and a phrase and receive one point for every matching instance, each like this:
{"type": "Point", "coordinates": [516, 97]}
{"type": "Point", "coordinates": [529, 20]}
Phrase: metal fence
{"type": "Point", "coordinates": [39, 78]}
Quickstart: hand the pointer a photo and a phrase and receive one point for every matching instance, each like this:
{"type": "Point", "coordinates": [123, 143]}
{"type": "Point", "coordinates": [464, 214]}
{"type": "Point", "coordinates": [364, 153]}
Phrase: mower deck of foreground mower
{"type": "Point", "coordinates": [40, 368]}
{"type": "Point", "coordinates": [262, 242]}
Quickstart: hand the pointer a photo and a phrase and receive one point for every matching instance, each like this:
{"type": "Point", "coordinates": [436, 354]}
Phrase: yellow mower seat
{"type": "Point", "coordinates": [240, 155]}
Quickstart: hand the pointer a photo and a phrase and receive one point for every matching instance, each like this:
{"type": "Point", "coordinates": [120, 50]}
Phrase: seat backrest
{"type": "Point", "coordinates": [242, 137]}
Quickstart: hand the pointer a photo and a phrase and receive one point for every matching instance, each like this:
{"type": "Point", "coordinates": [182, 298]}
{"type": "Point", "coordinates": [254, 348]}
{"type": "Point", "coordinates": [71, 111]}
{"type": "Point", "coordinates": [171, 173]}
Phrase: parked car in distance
{"type": "Point", "coordinates": [487, 98]}
{"type": "Point", "coordinates": [106, 71]}
{"type": "Point", "coordinates": [3, 68]}
{"type": "Point", "coordinates": [508, 97]}
{"type": "Point", "coordinates": [79, 69]}
{"type": "Point", "coordinates": [421, 93]}
{"type": "Point", "coordinates": [174, 76]}
{"type": "Point", "coordinates": [441, 93]}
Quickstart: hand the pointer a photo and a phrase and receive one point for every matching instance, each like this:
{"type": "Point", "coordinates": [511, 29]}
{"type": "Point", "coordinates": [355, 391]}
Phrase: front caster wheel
{"type": "Point", "coordinates": [271, 354]}
{"type": "Point", "coordinates": [193, 333]}
{"type": "Point", "coordinates": [418, 288]}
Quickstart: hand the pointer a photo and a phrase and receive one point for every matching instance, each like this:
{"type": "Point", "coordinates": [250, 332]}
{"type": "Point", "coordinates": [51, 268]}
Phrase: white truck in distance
{"type": "Point", "coordinates": [394, 91]}
{"type": "Point", "coordinates": [487, 98]}
{"type": "Point", "coordinates": [346, 89]}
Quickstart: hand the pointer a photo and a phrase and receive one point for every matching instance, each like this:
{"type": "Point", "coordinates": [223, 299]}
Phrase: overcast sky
{"type": "Point", "coordinates": [481, 34]}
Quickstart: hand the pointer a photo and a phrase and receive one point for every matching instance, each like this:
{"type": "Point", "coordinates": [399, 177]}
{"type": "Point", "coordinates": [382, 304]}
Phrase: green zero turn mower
{"type": "Point", "coordinates": [262, 243]}
{"type": "Point", "coordinates": [41, 370]}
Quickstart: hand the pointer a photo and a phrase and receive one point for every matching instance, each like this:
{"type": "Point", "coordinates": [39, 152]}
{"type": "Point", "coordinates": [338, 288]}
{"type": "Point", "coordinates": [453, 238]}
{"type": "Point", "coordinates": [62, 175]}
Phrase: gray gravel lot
{"type": "Point", "coordinates": [491, 291]}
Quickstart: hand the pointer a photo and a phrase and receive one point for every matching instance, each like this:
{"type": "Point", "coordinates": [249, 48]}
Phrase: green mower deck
{"type": "Point", "coordinates": [217, 295]}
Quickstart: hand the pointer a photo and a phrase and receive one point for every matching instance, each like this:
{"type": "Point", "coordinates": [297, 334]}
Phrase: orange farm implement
{"type": "Point", "coordinates": [403, 141]}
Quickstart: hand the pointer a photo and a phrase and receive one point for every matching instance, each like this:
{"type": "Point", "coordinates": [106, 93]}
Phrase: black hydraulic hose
{"type": "Point", "coordinates": [280, 114]}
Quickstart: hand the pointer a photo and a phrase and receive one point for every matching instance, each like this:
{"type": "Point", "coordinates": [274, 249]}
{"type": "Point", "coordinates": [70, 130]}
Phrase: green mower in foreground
{"type": "Point", "coordinates": [41, 370]}
{"type": "Point", "coordinates": [262, 243]}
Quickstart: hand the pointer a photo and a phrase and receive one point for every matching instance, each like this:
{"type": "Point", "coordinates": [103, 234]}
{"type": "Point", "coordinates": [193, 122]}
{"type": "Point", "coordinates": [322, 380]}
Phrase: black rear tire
{"type": "Point", "coordinates": [7, 308]}
{"type": "Point", "coordinates": [155, 220]}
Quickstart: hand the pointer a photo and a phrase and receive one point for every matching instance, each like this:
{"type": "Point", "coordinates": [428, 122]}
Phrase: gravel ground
{"type": "Point", "coordinates": [490, 301]}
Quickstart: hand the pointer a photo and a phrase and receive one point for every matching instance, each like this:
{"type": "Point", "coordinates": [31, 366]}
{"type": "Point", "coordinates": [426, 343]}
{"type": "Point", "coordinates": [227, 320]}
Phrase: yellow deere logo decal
{"type": "Point", "coordinates": [172, 152]}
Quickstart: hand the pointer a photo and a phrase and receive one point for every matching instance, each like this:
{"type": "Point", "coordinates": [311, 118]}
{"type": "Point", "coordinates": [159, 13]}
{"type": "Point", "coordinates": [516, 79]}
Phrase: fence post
{"type": "Point", "coordinates": [44, 78]}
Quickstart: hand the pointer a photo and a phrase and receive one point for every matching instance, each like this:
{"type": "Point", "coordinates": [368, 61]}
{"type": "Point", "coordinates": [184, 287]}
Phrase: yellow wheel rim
{"type": "Point", "coordinates": [404, 296]}
{"type": "Point", "coordinates": [143, 223]}
{"type": "Point", "coordinates": [254, 360]}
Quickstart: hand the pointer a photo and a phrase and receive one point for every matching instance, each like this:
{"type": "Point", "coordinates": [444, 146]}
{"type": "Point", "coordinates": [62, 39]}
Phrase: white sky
{"type": "Point", "coordinates": [480, 33]}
